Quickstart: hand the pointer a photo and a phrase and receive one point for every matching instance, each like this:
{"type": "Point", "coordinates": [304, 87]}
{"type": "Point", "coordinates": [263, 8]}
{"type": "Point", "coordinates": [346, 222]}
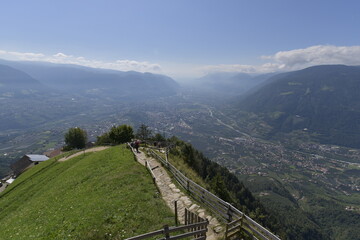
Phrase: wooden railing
{"type": "Point", "coordinates": [237, 229]}
{"type": "Point", "coordinates": [218, 206]}
{"type": "Point", "coordinates": [167, 230]}
{"type": "Point", "coordinates": [147, 165]}
{"type": "Point", "coordinates": [195, 226]}
{"type": "Point", "coordinates": [191, 218]}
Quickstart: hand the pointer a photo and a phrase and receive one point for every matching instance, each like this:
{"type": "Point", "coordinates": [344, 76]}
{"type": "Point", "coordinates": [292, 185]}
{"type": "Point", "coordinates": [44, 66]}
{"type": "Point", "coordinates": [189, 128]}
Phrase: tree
{"type": "Point", "coordinates": [159, 138]}
{"type": "Point", "coordinates": [104, 139]}
{"type": "Point", "coordinates": [143, 132]}
{"type": "Point", "coordinates": [75, 138]}
{"type": "Point", "coordinates": [121, 134]}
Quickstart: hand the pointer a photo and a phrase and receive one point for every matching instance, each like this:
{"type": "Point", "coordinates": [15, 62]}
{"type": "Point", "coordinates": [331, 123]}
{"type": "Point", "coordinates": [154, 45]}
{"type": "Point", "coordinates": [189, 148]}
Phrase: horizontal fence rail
{"type": "Point", "coordinates": [147, 165]}
{"type": "Point", "coordinates": [220, 207]}
{"type": "Point", "coordinates": [233, 229]}
{"type": "Point", "coordinates": [199, 228]}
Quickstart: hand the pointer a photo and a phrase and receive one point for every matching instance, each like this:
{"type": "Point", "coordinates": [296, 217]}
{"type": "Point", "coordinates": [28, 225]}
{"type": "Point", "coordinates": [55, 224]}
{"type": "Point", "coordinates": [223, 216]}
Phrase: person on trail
{"type": "Point", "coordinates": [137, 145]}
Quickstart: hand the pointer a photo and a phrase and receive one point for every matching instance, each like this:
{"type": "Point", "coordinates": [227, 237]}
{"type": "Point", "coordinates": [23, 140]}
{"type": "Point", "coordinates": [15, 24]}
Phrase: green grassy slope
{"type": "Point", "coordinates": [103, 195]}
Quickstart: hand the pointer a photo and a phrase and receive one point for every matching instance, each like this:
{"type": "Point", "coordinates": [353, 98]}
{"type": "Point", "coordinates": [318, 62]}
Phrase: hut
{"type": "Point", "coordinates": [27, 161]}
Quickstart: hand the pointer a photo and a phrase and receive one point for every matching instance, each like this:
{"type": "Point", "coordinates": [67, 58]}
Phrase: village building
{"type": "Point", "coordinates": [27, 161]}
{"type": "Point", "coordinates": [53, 152]}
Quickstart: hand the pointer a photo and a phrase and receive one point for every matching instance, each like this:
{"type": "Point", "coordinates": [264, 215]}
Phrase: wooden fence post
{"type": "Point", "coordinates": [166, 232]}
{"type": "Point", "coordinates": [226, 231]}
{"type": "Point", "coordinates": [166, 155]}
{"type": "Point", "coordinates": [203, 196]}
{"type": "Point", "coordinates": [176, 213]}
{"type": "Point", "coordinates": [192, 220]}
{"type": "Point", "coordinates": [229, 213]}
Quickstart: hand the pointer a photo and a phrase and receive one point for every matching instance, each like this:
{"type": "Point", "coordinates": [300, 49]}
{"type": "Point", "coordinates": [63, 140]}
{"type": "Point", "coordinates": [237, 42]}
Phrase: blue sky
{"type": "Point", "coordinates": [183, 39]}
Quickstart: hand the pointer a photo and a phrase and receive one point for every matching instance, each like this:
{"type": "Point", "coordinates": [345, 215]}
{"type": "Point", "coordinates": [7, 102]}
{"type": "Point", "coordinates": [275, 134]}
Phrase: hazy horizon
{"type": "Point", "coordinates": [183, 39]}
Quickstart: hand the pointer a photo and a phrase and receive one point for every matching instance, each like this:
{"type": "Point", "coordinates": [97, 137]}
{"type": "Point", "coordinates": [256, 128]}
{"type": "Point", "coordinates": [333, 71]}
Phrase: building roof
{"type": "Point", "coordinates": [37, 158]}
{"type": "Point", "coordinates": [10, 180]}
{"type": "Point", "coordinates": [53, 153]}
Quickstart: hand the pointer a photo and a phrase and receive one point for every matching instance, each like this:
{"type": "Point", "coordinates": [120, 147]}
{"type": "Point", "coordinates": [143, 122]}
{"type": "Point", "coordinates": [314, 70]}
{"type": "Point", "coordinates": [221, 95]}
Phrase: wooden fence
{"type": "Point", "coordinates": [147, 165]}
{"type": "Point", "coordinates": [191, 218]}
{"type": "Point", "coordinates": [218, 206]}
{"type": "Point", "coordinates": [195, 226]}
{"type": "Point", "coordinates": [237, 229]}
{"type": "Point", "coordinates": [233, 229]}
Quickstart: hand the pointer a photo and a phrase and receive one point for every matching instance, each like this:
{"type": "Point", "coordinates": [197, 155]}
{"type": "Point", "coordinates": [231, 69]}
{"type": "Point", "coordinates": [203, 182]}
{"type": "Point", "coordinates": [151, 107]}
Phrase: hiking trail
{"type": "Point", "coordinates": [95, 149]}
{"type": "Point", "coordinates": [171, 193]}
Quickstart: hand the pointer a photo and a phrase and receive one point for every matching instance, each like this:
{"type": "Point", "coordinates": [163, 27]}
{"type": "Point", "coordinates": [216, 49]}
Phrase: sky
{"type": "Point", "coordinates": [183, 39]}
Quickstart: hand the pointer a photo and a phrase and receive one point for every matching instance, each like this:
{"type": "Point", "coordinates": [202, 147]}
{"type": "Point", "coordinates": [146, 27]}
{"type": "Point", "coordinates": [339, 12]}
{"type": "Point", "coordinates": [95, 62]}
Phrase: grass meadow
{"type": "Point", "coordinates": [102, 195]}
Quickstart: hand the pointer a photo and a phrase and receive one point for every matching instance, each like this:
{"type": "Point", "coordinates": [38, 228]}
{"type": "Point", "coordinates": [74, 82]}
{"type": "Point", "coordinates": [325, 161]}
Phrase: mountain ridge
{"type": "Point", "coordinates": [14, 79]}
{"type": "Point", "coordinates": [86, 80]}
{"type": "Point", "coordinates": [228, 83]}
{"type": "Point", "coordinates": [318, 99]}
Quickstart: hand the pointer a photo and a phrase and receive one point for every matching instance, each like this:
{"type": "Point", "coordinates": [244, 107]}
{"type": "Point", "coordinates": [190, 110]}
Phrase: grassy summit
{"type": "Point", "coordinates": [103, 195]}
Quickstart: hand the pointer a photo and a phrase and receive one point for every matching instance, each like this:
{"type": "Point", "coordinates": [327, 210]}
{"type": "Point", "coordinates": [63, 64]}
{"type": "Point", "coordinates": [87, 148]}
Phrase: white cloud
{"type": "Point", "coordinates": [296, 59]}
{"type": "Point", "coordinates": [61, 55]}
{"type": "Point", "coordinates": [122, 65]}
{"type": "Point", "coordinates": [280, 61]}
{"type": "Point", "coordinates": [317, 55]}
{"type": "Point", "coordinates": [22, 55]}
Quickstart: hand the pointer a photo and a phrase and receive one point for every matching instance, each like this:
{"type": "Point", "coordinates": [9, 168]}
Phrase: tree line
{"type": "Point", "coordinates": [76, 138]}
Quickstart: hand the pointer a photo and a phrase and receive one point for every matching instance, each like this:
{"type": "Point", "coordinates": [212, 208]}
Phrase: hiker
{"type": "Point", "coordinates": [137, 144]}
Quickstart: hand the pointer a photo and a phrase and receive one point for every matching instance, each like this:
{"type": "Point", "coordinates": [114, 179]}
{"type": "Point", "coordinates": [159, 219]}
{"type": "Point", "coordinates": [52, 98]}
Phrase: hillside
{"type": "Point", "coordinates": [12, 79]}
{"type": "Point", "coordinates": [39, 98]}
{"type": "Point", "coordinates": [322, 100]}
{"type": "Point", "coordinates": [98, 82]}
{"type": "Point", "coordinates": [290, 224]}
{"type": "Point", "coordinates": [100, 195]}
{"type": "Point", "coordinates": [226, 84]}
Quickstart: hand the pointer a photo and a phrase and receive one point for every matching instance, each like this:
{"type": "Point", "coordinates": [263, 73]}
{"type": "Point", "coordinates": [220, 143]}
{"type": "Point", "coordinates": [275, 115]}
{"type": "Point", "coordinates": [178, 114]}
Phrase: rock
{"type": "Point", "coordinates": [194, 207]}
{"type": "Point", "coordinates": [187, 203]}
{"type": "Point", "coordinates": [176, 196]}
{"type": "Point", "coordinates": [172, 185]}
{"type": "Point", "coordinates": [218, 229]}
{"type": "Point", "coordinates": [184, 198]}
{"type": "Point", "coordinates": [201, 210]}
{"type": "Point", "coordinates": [214, 222]}
{"type": "Point", "coordinates": [176, 190]}
{"type": "Point", "coordinates": [202, 214]}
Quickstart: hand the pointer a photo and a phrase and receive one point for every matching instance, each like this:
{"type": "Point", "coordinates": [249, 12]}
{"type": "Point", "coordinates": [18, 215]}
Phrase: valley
{"type": "Point", "coordinates": [297, 173]}
{"type": "Point", "coordinates": [293, 173]}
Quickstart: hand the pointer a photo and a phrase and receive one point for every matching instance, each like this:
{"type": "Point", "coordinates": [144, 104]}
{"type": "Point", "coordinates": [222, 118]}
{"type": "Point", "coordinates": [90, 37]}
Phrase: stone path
{"type": "Point", "coordinates": [95, 149]}
{"type": "Point", "coordinates": [171, 193]}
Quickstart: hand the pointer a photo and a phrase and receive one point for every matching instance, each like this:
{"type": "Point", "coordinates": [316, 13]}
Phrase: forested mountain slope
{"type": "Point", "coordinates": [323, 100]}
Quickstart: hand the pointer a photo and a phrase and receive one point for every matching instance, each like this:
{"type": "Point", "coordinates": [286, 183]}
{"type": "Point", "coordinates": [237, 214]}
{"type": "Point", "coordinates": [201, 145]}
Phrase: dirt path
{"type": "Point", "coordinates": [95, 149]}
{"type": "Point", "coordinates": [171, 193]}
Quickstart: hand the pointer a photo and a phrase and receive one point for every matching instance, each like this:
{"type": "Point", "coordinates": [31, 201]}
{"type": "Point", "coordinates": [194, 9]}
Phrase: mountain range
{"type": "Point", "coordinates": [13, 79]}
{"type": "Point", "coordinates": [322, 100]}
{"type": "Point", "coordinates": [85, 80]}
{"type": "Point", "coordinates": [227, 84]}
